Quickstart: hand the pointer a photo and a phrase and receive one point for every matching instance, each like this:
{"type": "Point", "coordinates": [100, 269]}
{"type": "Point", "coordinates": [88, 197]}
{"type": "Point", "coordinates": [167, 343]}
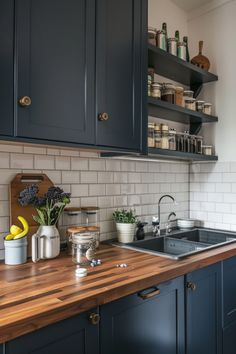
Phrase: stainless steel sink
{"type": "Point", "coordinates": [180, 244]}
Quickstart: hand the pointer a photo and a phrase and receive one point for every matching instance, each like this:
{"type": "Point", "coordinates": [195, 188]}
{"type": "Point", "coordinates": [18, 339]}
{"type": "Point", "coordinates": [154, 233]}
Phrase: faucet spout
{"type": "Point", "coordinates": [159, 210]}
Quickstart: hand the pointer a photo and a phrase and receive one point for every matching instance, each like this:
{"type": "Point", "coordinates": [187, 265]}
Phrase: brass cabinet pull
{"type": "Point", "coordinates": [25, 101]}
{"type": "Point", "coordinates": [191, 286]}
{"type": "Point", "coordinates": [152, 293]}
{"type": "Point", "coordinates": [103, 117]}
{"type": "Point", "coordinates": [94, 318]}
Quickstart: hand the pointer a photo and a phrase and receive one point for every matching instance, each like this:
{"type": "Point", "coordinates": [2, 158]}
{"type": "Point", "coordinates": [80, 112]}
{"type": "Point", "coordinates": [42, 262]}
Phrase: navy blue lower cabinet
{"type": "Point", "coordinates": [148, 322]}
{"type": "Point", "coordinates": [229, 291]}
{"type": "Point", "coordinates": [203, 311]}
{"type": "Point", "coordinates": [76, 335]}
{"type": "Point", "coordinates": [1, 348]}
{"type": "Point", "coordinates": [229, 339]}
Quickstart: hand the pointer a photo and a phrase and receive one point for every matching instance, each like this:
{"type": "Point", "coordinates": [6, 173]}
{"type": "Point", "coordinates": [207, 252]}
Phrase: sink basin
{"type": "Point", "coordinates": [180, 244]}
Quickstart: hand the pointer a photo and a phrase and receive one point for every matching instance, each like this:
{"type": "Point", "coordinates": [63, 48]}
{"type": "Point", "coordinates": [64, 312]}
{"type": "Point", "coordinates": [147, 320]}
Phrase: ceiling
{"type": "Point", "coordinates": [189, 5]}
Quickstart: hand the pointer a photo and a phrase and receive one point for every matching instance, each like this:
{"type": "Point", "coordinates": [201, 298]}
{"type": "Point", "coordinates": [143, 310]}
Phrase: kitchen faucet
{"type": "Point", "coordinates": [159, 211]}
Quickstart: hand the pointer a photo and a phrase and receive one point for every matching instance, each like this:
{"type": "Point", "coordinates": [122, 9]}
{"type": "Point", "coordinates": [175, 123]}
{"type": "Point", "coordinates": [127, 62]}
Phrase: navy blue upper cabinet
{"type": "Point", "coordinates": [203, 311]}
{"type": "Point", "coordinates": [121, 67]}
{"type": "Point", "coordinates": [6, 66]}
{"type": "Point", "coordinates": [75, 335]}
{"type": "Point", "coordinates": [55, 50]}
{"type": "Point", "coordinates": [135, 325]}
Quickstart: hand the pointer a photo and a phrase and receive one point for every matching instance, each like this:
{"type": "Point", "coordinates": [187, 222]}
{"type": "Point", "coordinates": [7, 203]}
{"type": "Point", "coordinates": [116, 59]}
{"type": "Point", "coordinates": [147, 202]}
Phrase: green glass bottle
{"type": "Point", "coordinates": [177, 35]}
{"type": "Point", "coordinates": [185, 39]}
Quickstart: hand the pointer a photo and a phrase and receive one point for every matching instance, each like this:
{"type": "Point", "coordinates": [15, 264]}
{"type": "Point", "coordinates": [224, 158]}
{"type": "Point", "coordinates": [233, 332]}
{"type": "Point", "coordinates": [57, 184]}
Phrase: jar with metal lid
{"type": "Point", "coordinates": [200, 106]}
{"type": "Point", "coordinates": [164, 136]}
{"type": "Point", "coordinates": [151, 141]}
{"type": "Point", "coordinates": [156, 90]}
{"type": "Point", "coordinates": [152, 33]}
{"type": "Point", "coordinates": [168, 93]}
{"type": "Point", "coordinates": [207, 149]}
{"type": "Point", "coordinates": [199, 142]}
{"type": "Point", "coordinates": [172, 46]}
{"type": "Point", "coordinates": [179, 93]}
{"type": "Point", "coordinates": [207, 108]}
{"type": "Point", "coordinates": [172, 139]}
{"type": "Point", "coordinates": [188, 94]}
{"type": "Point", "coordinates": [182, 50]}
{"type": "Point", "coordinates": [190, 103]}
{"type": "Point", "coordinates": [157, 136]}
{"type": "Point", "coordinates": [161, 40]}
{"type": "Point", "coordinates": [83, 247]}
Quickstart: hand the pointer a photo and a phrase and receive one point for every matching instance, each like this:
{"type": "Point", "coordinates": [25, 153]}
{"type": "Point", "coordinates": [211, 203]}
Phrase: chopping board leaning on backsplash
{"type": "Point", "coordinates": [21, 181]}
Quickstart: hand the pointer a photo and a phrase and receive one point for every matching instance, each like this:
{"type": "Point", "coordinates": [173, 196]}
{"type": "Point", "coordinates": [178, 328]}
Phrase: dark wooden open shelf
{"type": "Point", "coordinates": [178, 155]}
{"type": "Point", "coordinates": [172, 112]}
{"type": "Point", "coordinates": [176, 69]}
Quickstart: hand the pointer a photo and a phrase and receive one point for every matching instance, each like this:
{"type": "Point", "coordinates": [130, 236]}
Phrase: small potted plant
{"type": "Point", "coordinates": [125, 224]}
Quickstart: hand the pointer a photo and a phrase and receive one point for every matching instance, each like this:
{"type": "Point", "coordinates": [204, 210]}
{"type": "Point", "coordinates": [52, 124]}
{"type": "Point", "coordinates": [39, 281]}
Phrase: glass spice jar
{"type": "Point", "coordinates": [179, 93]}
{"type": "Point", "coordinates": [180, 142]}
{"type": "Point", "coordinates": [172, 139]}
{"type": "Point", "coordinates": [207, 149]}
{"type": "Point", "coordinates": [200, 106]}
{"type": "Point", "coordinates": [151, 141]}
{"type": "Point", "coordinates": [193, 144]}
{"type": "Point", "coordinates": [190, 103]}
{"type": "Point", "coordinates": [164, 136]}
{"type": "Point", "coordinates": [199, 142]}
{"type": "Point", "coordinates": [157, 136]}
{"type": "Point", "coordinates": [186, 141]}
{"type": "Point", "coordinates": [207, 108]}
{"type": "Point", "coordinates": [83, 248]}
{"type": "Point", "coordinates": [152, 33]}
{"type": "Point", "coordinates": [156, 90]}
{"type": "Point", "coordinates": [168, 93]}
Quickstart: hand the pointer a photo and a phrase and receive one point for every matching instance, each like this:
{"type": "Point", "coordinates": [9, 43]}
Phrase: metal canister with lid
{"type": "Point", "coordinates": [182, 50]}
{"type": "Point", "coordinates": [172, 46]}
{"type": "Point", "coordinates": [152, 32]}
{"type": "Point", "coordinates": [161, 40]}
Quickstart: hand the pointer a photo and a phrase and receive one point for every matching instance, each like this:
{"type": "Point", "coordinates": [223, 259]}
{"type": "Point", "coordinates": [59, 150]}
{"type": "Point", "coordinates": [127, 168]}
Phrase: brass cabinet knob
{"type": "Point", "coordinates": [25, 101]}
{"type": "Point", "coordinates": [191, 286]}
{"type": "Point", "coordinates": [94, 318]}
{"type": "Point", "coordinates": [103, 117]}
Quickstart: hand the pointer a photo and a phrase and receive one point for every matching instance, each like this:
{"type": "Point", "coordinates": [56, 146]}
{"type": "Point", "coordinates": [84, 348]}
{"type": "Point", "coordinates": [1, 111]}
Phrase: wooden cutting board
{"type": "Point", "coordinates": [21, 181]}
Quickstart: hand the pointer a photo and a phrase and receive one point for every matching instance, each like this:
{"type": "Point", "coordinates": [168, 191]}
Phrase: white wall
{"type": "Point", "coordinates": [217, 27]}
{"type": "Point", "coordinates": [160, 11]}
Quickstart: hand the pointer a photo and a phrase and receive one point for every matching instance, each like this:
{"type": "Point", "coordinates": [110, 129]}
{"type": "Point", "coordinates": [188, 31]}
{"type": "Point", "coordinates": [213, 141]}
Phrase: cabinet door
{"type": "Point", "coordinates": [55, 68]}
{"type": "Point", "coordinates": [136, 326]}
{"type": "Point", "coordinates": [1, 348]}
{"type": "Point", "coordinates": [229, 290]}
{"type": "Point", "coordinates": [121, 58]}
{"type": "Point", "coordinates": [203, 311]}
{"type": "Point", "coordinates": [229, 339]}
{"type": "Point", "coordinates": [73, 336]}
{"type": "Point", "coordinates": [6, 66]}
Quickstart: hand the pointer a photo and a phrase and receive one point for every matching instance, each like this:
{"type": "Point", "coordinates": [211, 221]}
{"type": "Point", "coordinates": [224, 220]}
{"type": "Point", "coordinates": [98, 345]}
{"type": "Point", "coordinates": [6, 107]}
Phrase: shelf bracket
{"type": "Point", "coordinates": [194, 128]}
{"type": "Point", "coordinates": [196, 88]}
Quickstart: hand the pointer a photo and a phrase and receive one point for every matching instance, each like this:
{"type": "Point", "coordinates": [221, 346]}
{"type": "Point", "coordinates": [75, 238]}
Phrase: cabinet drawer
{"type": "Point", "coordinates": [229, 290]}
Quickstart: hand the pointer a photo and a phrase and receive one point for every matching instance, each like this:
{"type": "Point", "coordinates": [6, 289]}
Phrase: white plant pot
{"type": "Point", "coordinates": [125, 232]}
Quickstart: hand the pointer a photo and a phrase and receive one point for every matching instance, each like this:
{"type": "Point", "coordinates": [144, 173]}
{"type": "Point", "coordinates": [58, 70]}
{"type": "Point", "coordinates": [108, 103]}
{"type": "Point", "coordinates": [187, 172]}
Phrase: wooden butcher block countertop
{"type": "Point", "coordinates": [35, 295]}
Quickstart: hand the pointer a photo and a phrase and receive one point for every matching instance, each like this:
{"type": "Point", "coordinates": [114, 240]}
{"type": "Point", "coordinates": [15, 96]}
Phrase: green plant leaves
{"type": "Point", "coordinates": [125, 216]}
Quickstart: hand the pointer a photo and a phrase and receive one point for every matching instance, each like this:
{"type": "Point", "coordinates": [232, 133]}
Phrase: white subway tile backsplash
{"type": "Point", "coordinates": [88, 177]}
{"type": "Point", "coordinates": [95, 181]}
{"type": "Point", "coordinates": [21, 161]}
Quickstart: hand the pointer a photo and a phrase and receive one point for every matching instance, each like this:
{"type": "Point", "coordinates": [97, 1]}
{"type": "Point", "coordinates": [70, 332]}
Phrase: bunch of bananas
{"type": "Point", "coordinates": [16, 232]}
